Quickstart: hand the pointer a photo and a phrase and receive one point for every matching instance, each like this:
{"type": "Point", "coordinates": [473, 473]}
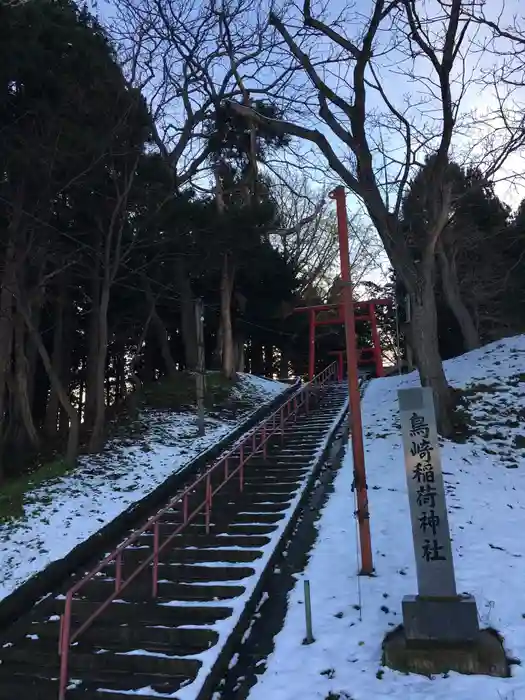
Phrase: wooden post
{"type": "Point", "coordinates": [201, 365]}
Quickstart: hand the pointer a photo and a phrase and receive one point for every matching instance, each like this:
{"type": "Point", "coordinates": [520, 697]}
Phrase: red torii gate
{"type": "Point", "coordinates": [363, 311]}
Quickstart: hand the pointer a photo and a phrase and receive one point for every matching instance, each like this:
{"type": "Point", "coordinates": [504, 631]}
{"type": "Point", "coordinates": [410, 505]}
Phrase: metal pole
{"type": "Point", "coordinates": [201, 365]}
{"type": "Point", "coordinates": [309, 639]}
{"type": "Point", "coordinates": [356, 425]}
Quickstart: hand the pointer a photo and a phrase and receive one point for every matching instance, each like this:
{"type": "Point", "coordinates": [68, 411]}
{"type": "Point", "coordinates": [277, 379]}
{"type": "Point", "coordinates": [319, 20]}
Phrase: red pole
{"type": "Point", "coordinates": [356, 424]}
{"type": "Point", "coordinates": [375, 339]}
{"type": "Point", "coordinates": [311, 349]}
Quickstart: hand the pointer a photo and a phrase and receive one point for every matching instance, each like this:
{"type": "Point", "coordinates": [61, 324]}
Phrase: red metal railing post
{"type": "Point", "coordinates": [156, 542]}
{"type": "Point", "coordinates": [185, 509]}
{"type": "Point", "coordinates": [118, 572]}
{"type": "Point", "coordinates": [264, 439]}
{"type": "Point", "coordinates": [241, 469]}
{"type": "Point", "coordinates": [208, 503]}
{"type": "Point", "coordinates": [282, 424]}
{"type": "Point", "coordinates": [64, 648]}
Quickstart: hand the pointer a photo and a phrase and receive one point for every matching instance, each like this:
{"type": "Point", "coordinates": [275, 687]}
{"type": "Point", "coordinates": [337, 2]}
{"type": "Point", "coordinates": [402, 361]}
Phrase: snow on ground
{"type": "Point", "coordinates": [66, 510]}
{"type": "Point", "coordinates": [485, 483]}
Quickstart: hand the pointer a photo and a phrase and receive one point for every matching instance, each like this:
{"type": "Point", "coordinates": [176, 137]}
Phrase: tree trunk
{"type": "Point", "coordinates": [93, 346]}
{"type": "Point", "coordinates": [228, 361]}
{"type": "Point", "coordinates": [451, 290]}
{"type": "Point", "coordinates": [216, 360]}
{"type": "Point", "coordinates": [97, 435]}
{"type": "Point", "coordinates": [240, 360]}
{"type": "Point", "coordinates": [257, 360]}
{"type": "Point", "coordinates": [6, 337]}
{"type": "Point", "coordinates": [424, 340]}
{"type": "Point", "coordinates": [284, 365]}
{"type": "Point", "coordinates": [187, 312]}
{"type": "Point", "coordinates": [53, 404]}
{"type": "Point", "coordinates": [162, 333]}
{"type": "Point", "coordinates": [164, 344]}
{"type": "Point", "coordinates": [73, 436]}
{"type": "Point", "coordinates": [268, 360]}
{"type": "Point", "coordinates": [120, 373]}
{"type": "Point", "coordinates": [26, 429]}
{"type": "Point", "coordinates": [32, 351]}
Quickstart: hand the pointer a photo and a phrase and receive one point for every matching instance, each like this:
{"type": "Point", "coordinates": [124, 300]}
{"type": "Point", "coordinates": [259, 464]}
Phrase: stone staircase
{"type": "Point", "coordinates": [168, 646]}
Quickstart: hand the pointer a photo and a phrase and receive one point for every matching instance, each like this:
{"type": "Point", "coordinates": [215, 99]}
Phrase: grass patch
{"type": "Point", "coordinates": [15, 492]}
{"type": "Point", "coordinates": [127, 424]}
{"type": "Point", "coordinates": [462, 427]}
{"type": "Point", "coordinates": [179, 393]}
{"type": "Point", "coordinates": [519, 442]}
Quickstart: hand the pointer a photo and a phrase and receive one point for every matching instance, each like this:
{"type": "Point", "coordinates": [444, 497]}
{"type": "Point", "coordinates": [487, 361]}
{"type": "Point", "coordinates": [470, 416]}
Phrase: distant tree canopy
{"type": "Point", "coordinates": [480, 283]}
{"type": "Point", "coordinates": [101, 254]}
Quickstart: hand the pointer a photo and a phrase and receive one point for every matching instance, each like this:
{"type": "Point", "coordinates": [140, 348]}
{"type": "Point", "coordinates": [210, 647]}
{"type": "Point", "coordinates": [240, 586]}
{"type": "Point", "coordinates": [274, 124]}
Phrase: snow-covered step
{"type": "Point", "coordinates": [180, 639]}
{"type": "Point", "coordinates": [156, 648]}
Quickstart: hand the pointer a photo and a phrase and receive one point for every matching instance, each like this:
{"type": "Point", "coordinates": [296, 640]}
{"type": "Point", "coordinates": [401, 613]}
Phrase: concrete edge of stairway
{"type": "Point", "coordinates": [22, 599]}
{"type": "Point", "coordinates": [333, 445]}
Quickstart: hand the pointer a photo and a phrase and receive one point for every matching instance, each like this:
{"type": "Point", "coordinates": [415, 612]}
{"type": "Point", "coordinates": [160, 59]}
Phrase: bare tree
{"type": "Point", "coordinates": [500, 133]}
{"type": "Point", "coordinates": [383, 137]}
{"type": "Point", "coordinates": [308, 236]}
{"type": "Point", "coordinates": [188, 57]}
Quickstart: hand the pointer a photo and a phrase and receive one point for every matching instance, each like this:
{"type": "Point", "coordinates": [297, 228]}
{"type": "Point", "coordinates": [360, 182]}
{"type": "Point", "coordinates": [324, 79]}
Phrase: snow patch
{"type": "Point", "coordinates": [485, 485]}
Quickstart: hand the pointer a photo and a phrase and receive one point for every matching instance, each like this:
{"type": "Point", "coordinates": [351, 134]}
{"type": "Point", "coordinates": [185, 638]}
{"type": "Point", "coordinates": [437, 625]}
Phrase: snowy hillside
{"type": "Point", "coordinates": [65, 511]}
{"type": "Point", "coordinates": [485, 479]}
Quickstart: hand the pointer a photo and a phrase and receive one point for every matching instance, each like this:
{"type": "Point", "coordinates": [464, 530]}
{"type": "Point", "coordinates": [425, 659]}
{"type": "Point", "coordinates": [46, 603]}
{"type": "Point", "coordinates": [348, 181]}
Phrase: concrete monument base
{"type": "Point", "coordinates": [484, 655]}
{"type": "Point", "coordinates": [447, 620]}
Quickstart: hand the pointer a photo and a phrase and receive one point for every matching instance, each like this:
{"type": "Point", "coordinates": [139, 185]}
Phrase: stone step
{"type": "Point", "coordinates": [281, 466]}
{"type": "Point", "coordinates": [291, 459]}
{"type": "Point", "coordinates": [22, 686]}
{"type": "Point", "coordinates": [204, 541]}
{"type": "Point", "coordinates": [271, 491]}
{"type": "Point", "coordinates": [262, 477]}
{"type": "Point", "coordinates": [120, 663]}
{"type": "Point", "coordinates": [125, 637]}
{"type": "Point", "coordinates": [23, 682]}
{"type": "Point", "coordinates": [187, 573]}
{"type": "Point", "coordinates": [251, 528]}
{"type": "Point", "coordinates": [149, 613]}
{"type": "Point", "coordinates": [100, 589]}
{"type": "Point", "coordinates": [218, 521]}
{"type": "Point", "coordinates": [136, 555]}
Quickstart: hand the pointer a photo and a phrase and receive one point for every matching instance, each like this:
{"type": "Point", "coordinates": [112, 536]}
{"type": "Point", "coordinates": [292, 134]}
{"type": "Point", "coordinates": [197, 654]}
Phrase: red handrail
{"type": "Point", "coordinates": [246, 447]}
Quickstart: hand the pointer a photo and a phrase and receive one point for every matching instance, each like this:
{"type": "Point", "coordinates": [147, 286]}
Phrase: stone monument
{"type": "Point", "coordinates": [440, 628]}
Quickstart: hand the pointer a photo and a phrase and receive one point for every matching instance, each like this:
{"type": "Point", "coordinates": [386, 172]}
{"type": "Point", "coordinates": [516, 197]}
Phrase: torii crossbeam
{"type": "Point", "coordinates": [363, 311]}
